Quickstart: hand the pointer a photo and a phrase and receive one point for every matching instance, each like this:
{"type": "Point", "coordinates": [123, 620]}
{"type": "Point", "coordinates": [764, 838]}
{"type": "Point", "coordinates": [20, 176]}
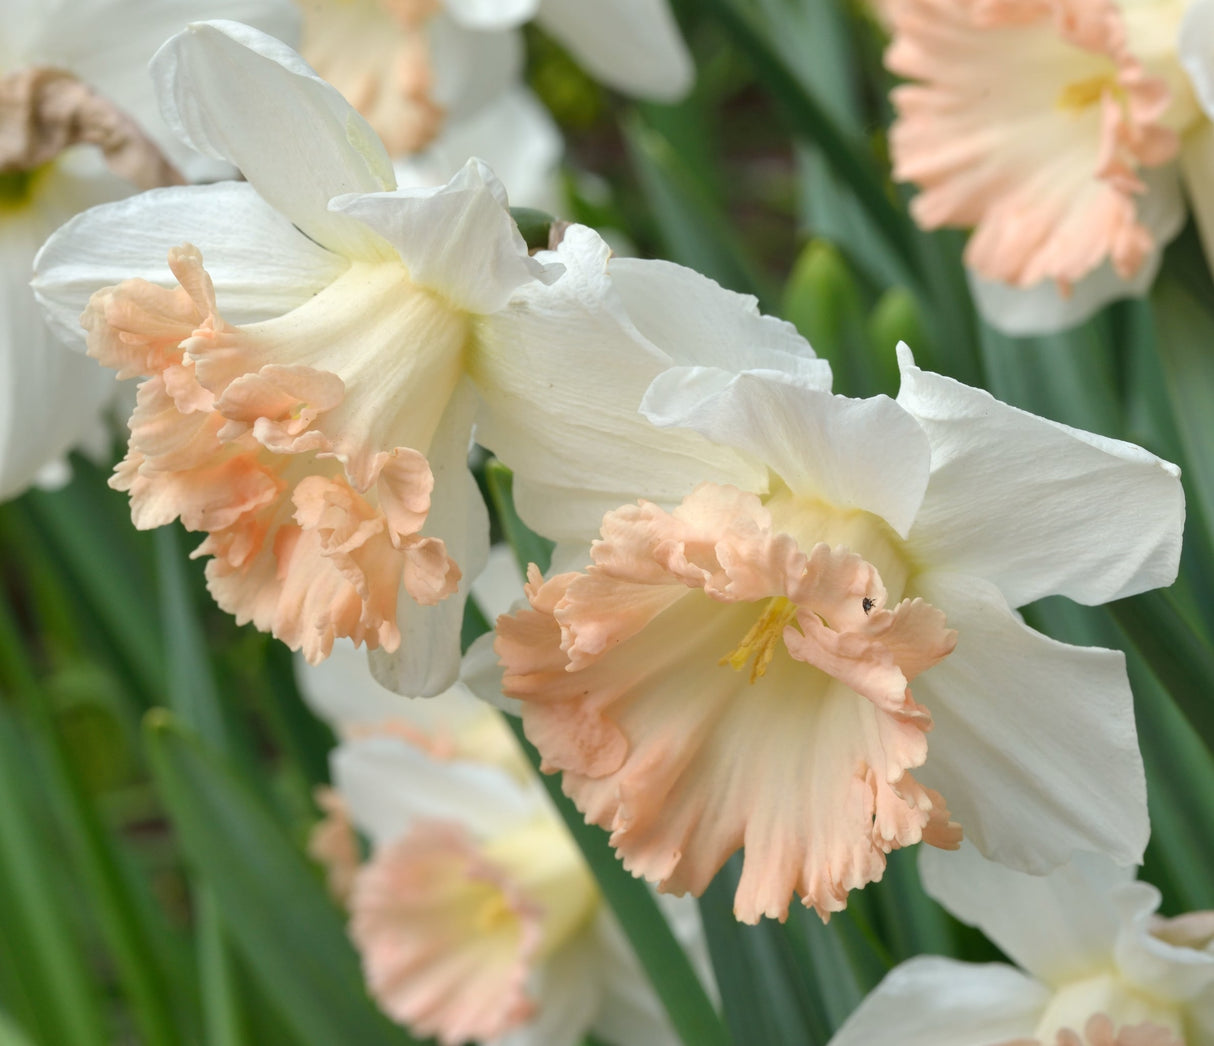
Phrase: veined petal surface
{"type": "Point", "coordinates": [1041, 732]}
{"type": "Point", "coordinates": [1037, 507]}
{"type": "Point", "coordinates": [239, 95]}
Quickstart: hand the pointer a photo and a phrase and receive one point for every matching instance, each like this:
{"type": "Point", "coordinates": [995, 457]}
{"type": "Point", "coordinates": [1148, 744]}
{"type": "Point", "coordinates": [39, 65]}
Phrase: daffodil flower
{"type": "Point", "coordinates": [734, 666]}
{"type": "Point", "coordinates": [1097, 966]}
{"type": "Point", "coordinates": [1062, 133]}
{"type": "Point", "coordinates": [475, 915]}
{"type": "Point", "coordinates": [413, 66]}
{"type": "Point", "coordinates": [79, 125]}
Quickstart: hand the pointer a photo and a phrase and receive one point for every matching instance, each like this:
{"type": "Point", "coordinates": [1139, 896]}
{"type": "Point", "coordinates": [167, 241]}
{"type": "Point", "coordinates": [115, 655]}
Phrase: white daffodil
{"type": "Point", "coordinates": [1098, 967]}
{"type": "Point", "coordinates": [413, 66]}
{"type": "Point", "coordinates": [1074, 179]}
{"type": "Point", "coordinates": [475, 914]}
{"type": "Point", "coordinates": [733, 667]}
{"type": "Point", "coordinates": [79, 125]}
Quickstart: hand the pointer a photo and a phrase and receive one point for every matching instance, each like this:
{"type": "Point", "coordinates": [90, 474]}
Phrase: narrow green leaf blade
{"type": "Point", "coordinates": [274, 908]}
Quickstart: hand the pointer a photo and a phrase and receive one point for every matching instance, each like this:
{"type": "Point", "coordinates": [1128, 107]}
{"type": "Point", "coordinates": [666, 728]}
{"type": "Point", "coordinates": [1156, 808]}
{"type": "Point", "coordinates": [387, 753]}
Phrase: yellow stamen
{"type": "Point", "coordinates": [764, 637]}
{"type": "Point", "coordinates": [495, 914]}
{"type": "Point", "coordinates": [1078, 96]}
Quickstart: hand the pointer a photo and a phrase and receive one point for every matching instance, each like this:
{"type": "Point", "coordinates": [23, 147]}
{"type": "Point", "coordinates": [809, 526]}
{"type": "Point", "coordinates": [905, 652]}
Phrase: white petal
{"type": "Point", "coordinates": [481, 673]}
{"type": "Point", "coordinates": [568, 990]}
{"type": "Point", "coordinates": [515, 135]}
{"type": "Point", "coordinates": [341, 690]}
{"type": "Point", "coordinates": [50, 396]}
{"type": "Point", "coordinates": [1197, 166]}
{"type": "Point", "coordinates": [389, 785]}
{"type": "Point", "coordinates": [472, 67]}
{"type": "Point", "coordinates": [1170, 971]}
{"type": "Point", "coordinates": [1059, 927]}
{"type": "Point", "coordinates": [631, 1012]}
{"type": "Point", "coordinates": [239, 95]}
{"type": "Point", "coordinates": [1037, 507]}
{"type": "Point", "coordinates": [1033, 745]}
{"type": "Point", "coordinates": [941, 1002]}
{"type": "Point", "coordinates": [261, 265]}
{"type": "Point", "coordinates": [697, 322]}
{"type": "Point", "coordinates": [632, 45]}
{"type": "Point", "coordinates": [427, 660]}
{"type": "Point", "coordinates": [867, 454]}
{"type": "Point", "coordinates": [1196, 53]}
{"type": "Point", "coordinates": [500, 585]}
{"type": "Point", "coordinates": [132, 30]}
{"type": "Point", "coordinates": [493, 14]}
{"type": "Point", "coordinates": [561, 372]}
{"type": "Point", "coordinates": [458, 239]}
{"type": "Point", "coordinates": [1041, 309]}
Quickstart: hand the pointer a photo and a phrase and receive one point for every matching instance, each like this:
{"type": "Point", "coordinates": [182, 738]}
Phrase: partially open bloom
{"type": "Point", "coordinates": [475, 914]}
{"type": "Point", "coordinates": [79, 126]}
{"type": "Point", "coordinates": [735, 668]}
{"type": "Point", "coordinates": [310, 368]}
{"type": "Point", "coordinates": [1099, 967]}
{"type": "Point", "coordinates": [1056, 129]}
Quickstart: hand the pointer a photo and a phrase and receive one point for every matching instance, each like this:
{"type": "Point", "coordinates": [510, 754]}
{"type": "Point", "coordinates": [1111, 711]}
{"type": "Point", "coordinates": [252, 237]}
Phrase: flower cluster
{"type": "Point", "coordinates": [782, 621]}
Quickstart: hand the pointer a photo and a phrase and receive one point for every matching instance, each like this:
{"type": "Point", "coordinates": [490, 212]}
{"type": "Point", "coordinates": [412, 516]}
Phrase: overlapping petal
{"type": "Point", "coordinates": [1037, 507]}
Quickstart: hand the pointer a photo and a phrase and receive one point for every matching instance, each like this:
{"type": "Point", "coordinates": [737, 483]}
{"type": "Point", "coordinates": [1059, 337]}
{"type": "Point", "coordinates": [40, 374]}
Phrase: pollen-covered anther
{"type": "Point", "coordinates": [763, 639]}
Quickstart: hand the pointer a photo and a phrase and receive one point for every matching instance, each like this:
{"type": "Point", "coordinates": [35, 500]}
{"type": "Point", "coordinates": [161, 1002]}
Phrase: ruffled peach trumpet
{"type": "Point", "coordinates": [710, 683]}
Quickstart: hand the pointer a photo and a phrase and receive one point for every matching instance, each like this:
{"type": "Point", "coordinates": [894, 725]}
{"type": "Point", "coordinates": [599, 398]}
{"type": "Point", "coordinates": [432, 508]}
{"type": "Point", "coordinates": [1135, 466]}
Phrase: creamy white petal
{"type": "Point", "coordinates": [1042, 309]}
{"type": "Point", "coordinates": [1197, 51]}
{"type": "Point", "coordinates": [515, 135]}
{"type": "Point", "coordinates": [260, 263]}
{"type": "Point", "coordinates": [631, 1012]}
{"type": "Point", "coordinates": [341, 689]}
{"type": "Point", "coordinates": [472, 67]}
{"type": "Point", "coordinates": [457, 239]}
{"type": "Point", "coordinates": [493, 14]}
{"type": "Point", "coordinates": [239, 95]}
{"type": "Point", "coordinates": [1033, 744]}
{"type": "Point", "coordinates": [50, 396]}
{"type": "Point", "coordinates": [132, 30]}
{"type": "Point", "coordinates": [568, 988]}
{"type": "Point", "coordinates": [390, 785]}
{"type": "Point", "coordinates": [427, 661]}
{"type": "Point", "coordinates": [1059, 927]}
{"type": "Point", "coordinates": [1037, 507]}
{"type": "Point", "coordinates": [941, 1002]}
{"type": "Point", "coordinates": [712, 326]}
{"type": "Point", "coordinates": [1170, 971]}
{"type": "Point", "coordinates": [561, 373]}
{"type": "Point", "coordinates": [1197, 166]}
{"type": "Point", "coordinates": [867, 454]}
{"type": "Point", "coordinates": [632, 45]}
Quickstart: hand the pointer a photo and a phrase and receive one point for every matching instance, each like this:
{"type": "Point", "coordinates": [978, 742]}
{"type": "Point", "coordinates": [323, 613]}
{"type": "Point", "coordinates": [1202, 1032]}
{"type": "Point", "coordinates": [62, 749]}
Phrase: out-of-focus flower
{"type": "Point", "coordinates": [309, 395]}
{"type": "Point", "coordinates": [79, 126]}
{"type": "Point", "coordinates": [409, 66]}
{"type": "Point", "coordinates": [1059, 131]}
{"type": "Point", "coordinates": [1100, 968]}
{"type": "Point", "coordinates": [475, 914]}
{"type": "Point", "coordinates": [732, 670]}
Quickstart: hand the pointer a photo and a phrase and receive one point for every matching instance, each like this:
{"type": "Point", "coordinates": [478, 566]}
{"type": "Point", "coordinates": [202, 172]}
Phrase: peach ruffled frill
{"type": "Point", "coordinates": [708, 685]}
{"type": "Point", "coordinates": [1029, 121]}
{"type": "Point", "coordinates": [313, 529]}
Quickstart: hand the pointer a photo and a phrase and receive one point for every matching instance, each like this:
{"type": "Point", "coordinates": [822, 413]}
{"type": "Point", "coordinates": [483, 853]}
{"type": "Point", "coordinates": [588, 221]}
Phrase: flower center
{"type": "Point", "coordinates": [1102, 1010]}
{"type": "Point", "coordinates": [543, 863]}
{"type": "Point", "coordinates": [763, 638]}
{"type": "Point", "coordinates": [1079, 95]}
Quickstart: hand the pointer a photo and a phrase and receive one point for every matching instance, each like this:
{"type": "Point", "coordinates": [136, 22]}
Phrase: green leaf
{"type": "Point", "coordinates": [675, 982]}
{"type": "Point", "coordinates": [274, 907]}
{"type": "Point", "coordinates": [812, 120]}
{"type": "Point", "coordinates": [693, 228]}
{"type": "Point", "coordinates": [528, 546]}
{"type": "Point", "coordinates": [534, 226]}
{"type": "Point", "coordinates": [768, 988]}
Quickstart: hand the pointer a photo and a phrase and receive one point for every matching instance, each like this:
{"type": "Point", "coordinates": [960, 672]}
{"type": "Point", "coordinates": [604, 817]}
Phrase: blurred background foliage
{"type": "Point", "coordinates": [157, 764]}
